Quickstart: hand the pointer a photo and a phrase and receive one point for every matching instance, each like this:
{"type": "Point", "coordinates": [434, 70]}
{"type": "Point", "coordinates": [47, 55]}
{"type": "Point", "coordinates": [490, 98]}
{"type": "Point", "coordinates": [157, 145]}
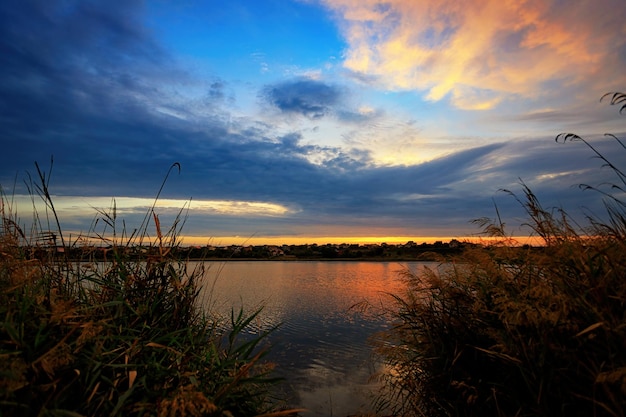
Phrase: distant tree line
{"type": "Point", "coordinates": [383, 251]}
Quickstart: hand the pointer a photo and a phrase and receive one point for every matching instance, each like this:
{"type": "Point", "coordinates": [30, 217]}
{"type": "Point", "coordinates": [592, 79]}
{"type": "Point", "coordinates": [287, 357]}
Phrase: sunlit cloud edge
{"type": "Point", "coordinates": [90, 206]}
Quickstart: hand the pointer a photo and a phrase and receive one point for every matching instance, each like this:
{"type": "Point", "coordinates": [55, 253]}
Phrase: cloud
{"type": "Point", "coordinates": [80, 62]}
{"type": "Point", "coordinates": [310, 98]}
{"type": "Point", "coordinates": [364, 114]}
{"type": "Point", "coordinates": [90, 85]}
{"type": "Point", "coordinates": [481, 53]}
{"type": "Point", "coordinates": [93, 87]}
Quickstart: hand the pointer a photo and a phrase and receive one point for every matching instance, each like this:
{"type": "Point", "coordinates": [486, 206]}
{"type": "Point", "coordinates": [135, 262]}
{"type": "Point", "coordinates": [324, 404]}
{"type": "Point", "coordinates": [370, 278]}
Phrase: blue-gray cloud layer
{"type": "Point", "coordinates": [86, 82]}
{"type": "Point", "coordinates": [310, 98]}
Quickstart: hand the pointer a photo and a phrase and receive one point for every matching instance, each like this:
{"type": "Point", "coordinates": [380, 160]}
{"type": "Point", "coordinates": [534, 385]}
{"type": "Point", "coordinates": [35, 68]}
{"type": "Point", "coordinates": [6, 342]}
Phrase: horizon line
{"type": "Point", "coordinates": [220, 241]}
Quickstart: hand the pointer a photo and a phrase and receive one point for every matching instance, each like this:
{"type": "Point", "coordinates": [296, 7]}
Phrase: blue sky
{"type": "Point", "coordinates": [309, 121]}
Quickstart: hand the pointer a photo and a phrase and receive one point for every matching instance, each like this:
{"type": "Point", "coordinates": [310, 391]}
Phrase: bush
{"type": "Point", "coordinates": [509, 330]}
{"type": "Point", "coordinates": [121, 337]}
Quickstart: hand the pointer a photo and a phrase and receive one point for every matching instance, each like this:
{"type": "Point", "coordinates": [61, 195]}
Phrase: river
{"type": "Point", "coordinates": [321, 346]}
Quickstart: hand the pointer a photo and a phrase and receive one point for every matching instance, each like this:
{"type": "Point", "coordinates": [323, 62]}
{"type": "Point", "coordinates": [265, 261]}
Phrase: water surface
{"type": "Point", "coordinates": [321, 346]}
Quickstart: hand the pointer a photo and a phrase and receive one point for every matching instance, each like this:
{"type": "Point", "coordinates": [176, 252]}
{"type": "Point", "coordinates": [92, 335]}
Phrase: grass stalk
{"type": "Point", "coordinates": [517, 330]}
{"type": "Point", "coordinates": [121, 336]}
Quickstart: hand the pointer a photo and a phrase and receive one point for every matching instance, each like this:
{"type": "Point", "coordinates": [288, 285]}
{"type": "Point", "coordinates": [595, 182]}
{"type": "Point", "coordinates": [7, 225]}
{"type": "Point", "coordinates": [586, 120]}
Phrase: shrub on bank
{"type": "Point", "coordinates": [518, 331]}
{"type": "Point", "coordinates": [118, 338]}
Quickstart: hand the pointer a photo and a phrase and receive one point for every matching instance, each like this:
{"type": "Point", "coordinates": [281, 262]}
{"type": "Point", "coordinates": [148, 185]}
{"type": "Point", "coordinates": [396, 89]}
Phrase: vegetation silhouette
{"type": "Point", "coordinates": [124, 336]}
{"type": "Point", "coordinates": [499, 330]}
{"type": "Point", "coordinates": [505, 331]}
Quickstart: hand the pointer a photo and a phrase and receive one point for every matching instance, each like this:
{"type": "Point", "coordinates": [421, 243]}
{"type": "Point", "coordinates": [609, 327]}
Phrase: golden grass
{"type": "Point", "coordinates": [121, 338]}
{"type": "Point", "coordinates": [509, 330]}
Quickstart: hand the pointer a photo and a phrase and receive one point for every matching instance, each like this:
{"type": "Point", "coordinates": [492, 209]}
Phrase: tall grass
{"type": "Point", "coordinates": [120, 337]}
{"type": "Point", "coordinates": [515, 330]}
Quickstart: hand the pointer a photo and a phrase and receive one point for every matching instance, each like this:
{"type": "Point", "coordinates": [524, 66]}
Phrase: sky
{"type": "Point", "coordinates": [308, 121]}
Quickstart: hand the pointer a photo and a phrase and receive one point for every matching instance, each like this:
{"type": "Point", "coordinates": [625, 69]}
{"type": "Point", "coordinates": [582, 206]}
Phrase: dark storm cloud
{"type": "Point", "coordinates": [310, 98]}
{"type": "Point", "coordinates": [50, 46]}
{"type": "Point", "coordinates": [315, 99]}
{"type": "Point", "coordinates": [66, 65]}
{"type": "Point", "coordinates": [77, 80]}
{"type": "Point", "coordinates": [448, 192]}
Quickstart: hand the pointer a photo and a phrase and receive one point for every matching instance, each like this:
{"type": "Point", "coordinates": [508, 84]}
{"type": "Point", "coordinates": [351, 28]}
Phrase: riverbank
{"type": "Point", "coordinates": [409, 252]}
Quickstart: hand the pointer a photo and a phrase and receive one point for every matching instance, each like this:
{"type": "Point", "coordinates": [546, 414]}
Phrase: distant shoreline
{"type": "Point", "coordinates": [409, 252]}
{"type": "Point", "coordinates": [289, 259]}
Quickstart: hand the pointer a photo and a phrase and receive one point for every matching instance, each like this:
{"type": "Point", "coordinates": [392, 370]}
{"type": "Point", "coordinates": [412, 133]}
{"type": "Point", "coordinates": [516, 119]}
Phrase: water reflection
{"type": "Point", "coordinates": [321, 347]}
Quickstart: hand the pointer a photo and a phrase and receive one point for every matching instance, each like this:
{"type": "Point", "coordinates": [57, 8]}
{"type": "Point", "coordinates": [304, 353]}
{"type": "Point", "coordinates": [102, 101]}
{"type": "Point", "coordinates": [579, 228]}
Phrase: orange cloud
{"type": "Point", "coordinates": [479, 52]}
